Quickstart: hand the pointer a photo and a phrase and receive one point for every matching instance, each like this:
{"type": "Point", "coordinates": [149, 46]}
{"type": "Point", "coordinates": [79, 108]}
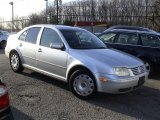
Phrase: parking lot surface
{"type": "Point", "coordinates": [36, 97]}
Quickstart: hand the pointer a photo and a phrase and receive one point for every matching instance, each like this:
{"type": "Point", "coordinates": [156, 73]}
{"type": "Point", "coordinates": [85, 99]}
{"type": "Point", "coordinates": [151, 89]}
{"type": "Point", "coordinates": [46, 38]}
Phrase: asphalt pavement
{"type": "Point", "coordinates": [36, 97]}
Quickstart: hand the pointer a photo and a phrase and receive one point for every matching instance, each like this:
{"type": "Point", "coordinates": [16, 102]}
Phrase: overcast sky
{"type": "Point", "coordinates": [22, 7]}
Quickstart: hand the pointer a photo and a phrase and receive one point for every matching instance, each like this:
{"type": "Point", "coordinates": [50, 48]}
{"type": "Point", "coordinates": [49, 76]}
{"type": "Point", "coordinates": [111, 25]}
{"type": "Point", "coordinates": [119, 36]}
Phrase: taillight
{"type": "Point", "coordinates": [4, 99]}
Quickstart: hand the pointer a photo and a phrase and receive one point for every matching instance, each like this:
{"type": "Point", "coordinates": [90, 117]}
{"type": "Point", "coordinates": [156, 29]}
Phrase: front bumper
{"type": "Point", "coordinates": [115, 84]}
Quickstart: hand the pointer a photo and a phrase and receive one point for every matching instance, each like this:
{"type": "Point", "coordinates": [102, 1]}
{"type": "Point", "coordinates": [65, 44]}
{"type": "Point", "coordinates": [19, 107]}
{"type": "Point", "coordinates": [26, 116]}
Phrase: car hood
{"type": "Point", "coordinates": [110, 57]}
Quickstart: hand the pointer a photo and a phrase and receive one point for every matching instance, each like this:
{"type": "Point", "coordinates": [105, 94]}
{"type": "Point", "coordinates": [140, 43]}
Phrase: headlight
{"type": "Point", "coordinates": [121, 71]}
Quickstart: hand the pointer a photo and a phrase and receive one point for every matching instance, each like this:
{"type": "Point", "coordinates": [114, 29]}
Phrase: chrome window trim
{"type": "Point", "coordinates": [135, 45]}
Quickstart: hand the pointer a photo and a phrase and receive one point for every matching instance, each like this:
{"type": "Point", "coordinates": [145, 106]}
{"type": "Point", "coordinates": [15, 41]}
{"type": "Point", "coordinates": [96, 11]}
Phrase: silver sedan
{"type": "Point", "coordinates": [77, 57]}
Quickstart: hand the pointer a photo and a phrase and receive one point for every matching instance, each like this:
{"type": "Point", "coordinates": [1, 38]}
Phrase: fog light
{"type": "Point", "coordinates": [103, 79]}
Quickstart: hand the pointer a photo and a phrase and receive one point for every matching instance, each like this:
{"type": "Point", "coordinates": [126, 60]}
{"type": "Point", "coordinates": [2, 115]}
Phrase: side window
{"type": "Point", "coordinates": [32, 35]}
{"type": "Point", "coordinates": [153, 41]}
{"type": "Point", "coordinates": [49, 36]}
{"type": "Point", "coordinates": [109, 37]}
{"type": "Point", "coordinates": [23, 36]}
{"type": "Point", "coordinates": [133, 39]}
{"type": "Point", "coordinates": [122, 38]}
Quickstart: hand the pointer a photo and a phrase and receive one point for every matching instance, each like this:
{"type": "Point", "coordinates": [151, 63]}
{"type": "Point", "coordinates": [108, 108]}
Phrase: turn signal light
{"type": "Point", "coordinates": [103, 79]}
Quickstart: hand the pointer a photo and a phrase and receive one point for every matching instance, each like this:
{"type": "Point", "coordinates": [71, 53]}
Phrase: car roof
{"type": "Point", "coordinates": [59, 27]}
{"type": "Point", "coordinates": [130, 28]}
{"type": "Point", "coordinates": [3, 31]}
{"type": "Point", "coordinates": [132, 31]}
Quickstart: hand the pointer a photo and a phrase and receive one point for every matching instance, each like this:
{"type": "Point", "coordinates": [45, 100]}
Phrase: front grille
{"type": "Point", "coordinates": [138, 70]}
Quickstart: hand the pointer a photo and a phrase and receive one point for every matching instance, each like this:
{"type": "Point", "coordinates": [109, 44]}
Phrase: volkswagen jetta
{"type": "Point", "coordinates": [77, 57]}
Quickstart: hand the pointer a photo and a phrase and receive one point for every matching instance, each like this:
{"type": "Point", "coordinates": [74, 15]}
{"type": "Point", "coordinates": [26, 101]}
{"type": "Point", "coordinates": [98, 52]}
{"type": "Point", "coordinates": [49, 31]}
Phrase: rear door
{"type": "Point", "coordinates": [127, 42]}
{"type": "Point", "coordinates": [27, 45]}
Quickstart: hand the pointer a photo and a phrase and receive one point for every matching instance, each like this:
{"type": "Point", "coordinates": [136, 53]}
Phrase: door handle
{"type": "Point", "coordinates": [39, 50]}
{"type": "Point", "coordinates": [20, 44]}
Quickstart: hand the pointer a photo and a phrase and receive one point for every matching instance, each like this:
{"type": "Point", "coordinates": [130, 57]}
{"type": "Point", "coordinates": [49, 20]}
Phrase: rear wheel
{"type": "Point", "coordinates": [15, 62]}
{"type": "Point", "coordinates": [82, 84]}
{"type": "Point", "coordinates": [3, 44]}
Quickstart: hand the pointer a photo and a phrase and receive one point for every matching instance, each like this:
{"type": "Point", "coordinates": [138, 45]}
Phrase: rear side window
{"type": "Point", "coordinates": [108, 37]}
{"type": "Point", "coordinates": [122, 38]}
{"type": "Point", "coordinates": [152, 41]}
{"type": "Point", "coordinates": [49, 36]}
{"type": "Point", "coordinates": [127, 39]}
{"type": "Point", "coordinates": [133, 39]}
{"type": "Point", "coordinates": [30, 35]}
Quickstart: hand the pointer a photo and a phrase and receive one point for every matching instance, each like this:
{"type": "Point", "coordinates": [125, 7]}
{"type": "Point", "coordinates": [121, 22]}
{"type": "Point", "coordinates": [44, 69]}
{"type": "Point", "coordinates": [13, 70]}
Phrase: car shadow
{"type": "Point", "coordinates": [143, 103]}
{"type": "Point", "coordinates": [18, 115]}
{"type": "Point", "coordinates": [46, 79]}
{"type": "Point", "coordinates": [156, 78]}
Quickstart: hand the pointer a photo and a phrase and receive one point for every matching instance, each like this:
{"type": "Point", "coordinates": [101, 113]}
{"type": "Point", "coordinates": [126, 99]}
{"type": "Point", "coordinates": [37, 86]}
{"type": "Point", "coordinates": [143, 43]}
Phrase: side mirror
{"type": "Point", "coordinates": [58, 46]}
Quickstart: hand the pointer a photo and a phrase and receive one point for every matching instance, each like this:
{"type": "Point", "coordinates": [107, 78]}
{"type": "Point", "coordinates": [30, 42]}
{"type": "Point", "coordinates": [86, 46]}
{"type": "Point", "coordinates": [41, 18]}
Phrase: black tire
{"type": "Point", "coordinates": [88, 84]}
{"type": "Point", "coordinates": [15, 62]}
{"type": "Point", "coordinates": [3, 44]}
{"type": "Point", "coordinates": [150, 67]}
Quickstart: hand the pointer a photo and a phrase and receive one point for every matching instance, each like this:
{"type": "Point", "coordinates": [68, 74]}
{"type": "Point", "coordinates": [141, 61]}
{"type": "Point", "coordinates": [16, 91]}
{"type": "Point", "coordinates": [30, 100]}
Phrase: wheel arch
{"type": "Point", "coordinates": [2, 42]}
{"type": "Point", "coordinates": [14, 50]}
{"type": "Point", "coordinates": [146, 58]}
{"type": "Point", "coordinates": [79, 67]}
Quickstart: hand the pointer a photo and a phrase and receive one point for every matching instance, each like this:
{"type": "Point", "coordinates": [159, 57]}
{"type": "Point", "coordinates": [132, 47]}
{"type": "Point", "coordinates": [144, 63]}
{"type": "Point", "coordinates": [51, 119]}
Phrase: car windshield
{"type": "Point", "coordinates": [81, 39]}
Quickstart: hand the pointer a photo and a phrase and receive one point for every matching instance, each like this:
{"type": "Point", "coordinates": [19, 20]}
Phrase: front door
{"type": "Point", "coordinates": [127, 42]}
{"type": "Point", "coordinates": [49, 59]}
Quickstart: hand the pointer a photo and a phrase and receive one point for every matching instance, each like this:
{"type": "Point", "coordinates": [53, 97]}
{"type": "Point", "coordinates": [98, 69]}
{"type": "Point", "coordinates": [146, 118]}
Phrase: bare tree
{"type": "Point", "coordinates": [114, 12]}
{"type": "Point", "coordinates": [36, 19]}
{"type": "Point", "coordinates": [156, 15]}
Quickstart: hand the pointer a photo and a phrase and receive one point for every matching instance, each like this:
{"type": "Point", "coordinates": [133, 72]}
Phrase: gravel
{"type": "Point", "coordinates": [36, 97]}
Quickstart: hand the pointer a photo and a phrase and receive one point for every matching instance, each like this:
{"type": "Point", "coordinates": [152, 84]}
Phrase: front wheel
{"type": "Point", "coordinates": [82, 84]}
{"type": "Point", "coordinates": [149, 67]}
{"type": "Point", "coordinates": [15, 62]}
